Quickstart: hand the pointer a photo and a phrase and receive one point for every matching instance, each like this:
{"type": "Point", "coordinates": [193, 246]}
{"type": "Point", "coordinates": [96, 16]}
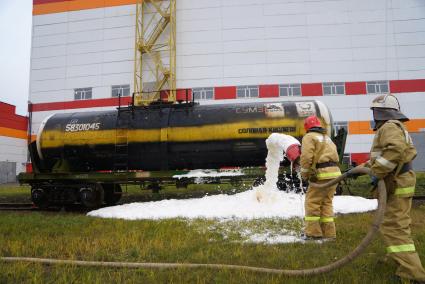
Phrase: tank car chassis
{"type": "Point", "coordinates": [94, 189]}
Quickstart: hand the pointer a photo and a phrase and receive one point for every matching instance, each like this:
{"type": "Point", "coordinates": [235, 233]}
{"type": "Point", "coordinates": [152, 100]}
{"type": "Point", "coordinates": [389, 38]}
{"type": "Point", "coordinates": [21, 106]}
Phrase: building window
{"type": "Point", "coordinates": [247, 91]}
{"type": "Point", "coordinates": [290, 90]}
{"type": "Point", "coordinates": [333, 88]}
{"type": "Point", "coordinates": [82, 94]}
{"type": "Point", "coordinates": [377, 87]}
{"type": "Point", "coordinates": [340, 124]}
{"type": "Point", "coordinates": [120, 90]}
{"type": "Point", "coordinates": [203, 93]}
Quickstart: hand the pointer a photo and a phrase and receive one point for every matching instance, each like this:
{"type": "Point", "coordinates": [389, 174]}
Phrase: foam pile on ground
{"type": "Point", "coordinates": [264, 201]}
{"type": "Point", "coordinates": [242, 205]}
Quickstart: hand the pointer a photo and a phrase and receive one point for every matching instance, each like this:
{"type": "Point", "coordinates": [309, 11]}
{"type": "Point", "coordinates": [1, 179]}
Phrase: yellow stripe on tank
{"type": "Point", "coordinates": [237, 130]}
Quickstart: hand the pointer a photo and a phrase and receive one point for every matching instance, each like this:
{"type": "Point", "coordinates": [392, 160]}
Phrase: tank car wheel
{"type": "Point", "coordinates": [112, 193]}
{"type": "Point", "coordinates": [91, 197]}
{"type": "Point", "coordinates": [39, 197]}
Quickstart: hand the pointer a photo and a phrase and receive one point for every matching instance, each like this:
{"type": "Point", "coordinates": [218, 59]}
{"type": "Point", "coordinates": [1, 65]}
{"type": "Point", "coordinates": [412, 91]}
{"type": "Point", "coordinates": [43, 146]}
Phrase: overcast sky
{"type": "Point", "coordinates": [15, 49]}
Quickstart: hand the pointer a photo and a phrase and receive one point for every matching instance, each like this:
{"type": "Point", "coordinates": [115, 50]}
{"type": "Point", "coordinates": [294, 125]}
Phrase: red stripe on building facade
{"type": "Point", "coordinates": [184, 95]}
{"type": "Point", "coordinates": [355, 88]}
{"type": "Point", "coordinates": [10, 120]}
{"type": "Point", "coordinates": [311, 89]}
{"type": "Point", "coordinates": [222, 93]}
{"type": "Point", "coordinates": [81, 104]}
{"type": "Point", "coordinates": [359, 158]}
{"type": "Point", "coordinates": [406, 86]}
{"type": "Point", "coordinates": [269, 91]}
{"type": "Point", "coordinates": [229, 92]}
{"type": "Point", "coordinates": [6, 108]}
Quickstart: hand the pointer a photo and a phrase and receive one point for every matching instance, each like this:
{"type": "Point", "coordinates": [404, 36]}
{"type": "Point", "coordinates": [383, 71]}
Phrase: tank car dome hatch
{"type": "Point", "coordinates": [326, 116]}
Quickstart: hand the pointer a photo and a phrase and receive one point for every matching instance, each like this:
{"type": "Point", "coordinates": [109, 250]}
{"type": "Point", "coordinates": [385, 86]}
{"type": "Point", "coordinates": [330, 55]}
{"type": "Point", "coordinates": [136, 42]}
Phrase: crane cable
{"type": "Point", "coordinates": [379, 214]}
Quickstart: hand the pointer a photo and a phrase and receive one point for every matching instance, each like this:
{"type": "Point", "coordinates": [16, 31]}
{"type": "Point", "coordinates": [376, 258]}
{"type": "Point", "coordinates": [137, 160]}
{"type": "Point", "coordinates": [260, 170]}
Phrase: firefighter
{"type": "Point", "coordinates": [391, 160]}
{"type": "Point", "coordinates": [319, 163]}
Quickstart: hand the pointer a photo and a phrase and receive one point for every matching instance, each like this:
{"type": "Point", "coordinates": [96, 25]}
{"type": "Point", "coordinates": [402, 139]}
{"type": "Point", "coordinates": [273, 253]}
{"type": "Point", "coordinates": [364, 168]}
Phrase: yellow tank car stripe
{"type": "Point", "coordinates": [55, 138]}
{"type": "Point", "coordinates": [237, 130]}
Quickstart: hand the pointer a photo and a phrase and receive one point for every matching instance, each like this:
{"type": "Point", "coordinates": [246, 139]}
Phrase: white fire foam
{"type": "Point", "coordinates": [277, 144]}
{"type": "Point", "coordinates": [264, 201]}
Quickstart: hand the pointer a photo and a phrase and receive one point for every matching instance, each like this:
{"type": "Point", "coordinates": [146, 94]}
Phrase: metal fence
{"type": "Point", "coordinates": [7, 172]}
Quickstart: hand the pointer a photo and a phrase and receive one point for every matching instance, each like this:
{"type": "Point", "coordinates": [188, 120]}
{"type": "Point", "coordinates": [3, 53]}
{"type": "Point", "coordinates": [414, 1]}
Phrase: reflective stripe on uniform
{"type": "Point", "coordinates": [404, 190]}
{"type": "Point", "coordinates": [328, 175]}
{"type": "Point", "coordinates": [305, 170]}
{"type": "Point", "coordinates": [321, 139]}
{"type": "Point", "coordinates": [386, 163]}
{"type": "Point", "coordinates": [375, 154]}
{"type": "Point", "coordinates": [326, 219]}
{"type": "Point", "coordinates": [401, 248]}
{"type": "Point", "coordinates": [311, 218]}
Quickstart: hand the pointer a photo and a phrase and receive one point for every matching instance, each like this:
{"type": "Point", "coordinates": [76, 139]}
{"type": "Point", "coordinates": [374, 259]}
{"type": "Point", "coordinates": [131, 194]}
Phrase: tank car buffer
{"type": "Point", "coordinates": [85, 157]}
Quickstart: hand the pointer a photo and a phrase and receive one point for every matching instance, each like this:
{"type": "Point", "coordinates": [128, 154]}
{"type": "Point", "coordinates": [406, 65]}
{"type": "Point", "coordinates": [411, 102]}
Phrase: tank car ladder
{"type": "Point", "coordinates": [121, 141]}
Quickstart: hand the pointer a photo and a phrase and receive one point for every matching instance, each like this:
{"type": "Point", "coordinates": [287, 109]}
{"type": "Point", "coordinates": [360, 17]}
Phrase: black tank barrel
{"type": "Point", "coordinates": [171, 137]}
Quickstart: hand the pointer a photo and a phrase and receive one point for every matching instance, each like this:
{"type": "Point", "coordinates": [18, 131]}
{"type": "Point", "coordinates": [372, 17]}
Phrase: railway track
{"type": "Point", "coordinates": [17, 207]}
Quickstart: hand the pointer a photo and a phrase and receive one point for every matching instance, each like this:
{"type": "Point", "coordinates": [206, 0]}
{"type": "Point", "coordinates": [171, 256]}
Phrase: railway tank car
{"type": "Point", "coordinates": [84, 157]}
{"type": "Point", "coordinates": [169, 137]}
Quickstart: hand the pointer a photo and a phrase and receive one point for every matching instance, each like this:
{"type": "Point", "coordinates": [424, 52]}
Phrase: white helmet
{"type": "Point", "coordinates": [386, 101]}
{"type": "Point", "coordinates": [386, 107]}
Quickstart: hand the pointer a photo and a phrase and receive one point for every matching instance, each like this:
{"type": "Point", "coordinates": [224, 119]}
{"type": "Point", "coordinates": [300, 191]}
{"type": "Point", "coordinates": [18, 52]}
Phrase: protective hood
{"type": "Point", "coordinates": [380, 114]}
{"type": "Point", "coordinates": [317, 129]}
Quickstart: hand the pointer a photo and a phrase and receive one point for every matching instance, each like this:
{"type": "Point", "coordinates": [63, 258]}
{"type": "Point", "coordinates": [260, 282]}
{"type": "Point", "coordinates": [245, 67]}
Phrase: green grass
{"type": "Point", "coordinates": [14, 193]}
{"type": "Point", "coordinates": [361, 185]}
{"type": "Point", "coordinates": [75, 236]}
{"type": "Point", "coordinates": [71, 236]}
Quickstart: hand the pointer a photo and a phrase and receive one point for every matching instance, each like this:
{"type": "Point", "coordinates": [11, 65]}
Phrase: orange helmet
{"type": "Point", "coordinates": [311, 121]}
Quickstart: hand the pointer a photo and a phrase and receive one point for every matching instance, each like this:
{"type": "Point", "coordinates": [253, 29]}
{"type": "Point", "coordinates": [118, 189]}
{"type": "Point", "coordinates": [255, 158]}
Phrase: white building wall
{"type": "Point", "coordinates": [231, 42]}
{"type": "Point", "coordinates": [88, 48]}
{"type": "Point", "coordinates": [14, 150]}
{"type": "Point", "coordinates": [240, 42]}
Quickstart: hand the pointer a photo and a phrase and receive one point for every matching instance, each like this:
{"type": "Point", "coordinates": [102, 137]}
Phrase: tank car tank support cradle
{"type": "Point", "coordinates": [112, 193]}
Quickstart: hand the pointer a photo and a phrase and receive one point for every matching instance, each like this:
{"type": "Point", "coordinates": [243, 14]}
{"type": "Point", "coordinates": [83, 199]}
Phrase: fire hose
{"type": "Point", "coordinates": [379, 214]}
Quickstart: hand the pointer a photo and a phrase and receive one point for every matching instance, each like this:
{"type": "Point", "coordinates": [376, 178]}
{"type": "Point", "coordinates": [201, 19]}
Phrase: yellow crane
{"type": "Point", "coordinates": [155, 51]}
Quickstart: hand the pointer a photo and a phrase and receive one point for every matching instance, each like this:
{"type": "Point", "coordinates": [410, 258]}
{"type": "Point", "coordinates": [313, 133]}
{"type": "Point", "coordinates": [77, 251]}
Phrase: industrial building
{"type": "Point", "coordinates": [13, 143]}
{"type": "Point", "coordinates": [86, 54]}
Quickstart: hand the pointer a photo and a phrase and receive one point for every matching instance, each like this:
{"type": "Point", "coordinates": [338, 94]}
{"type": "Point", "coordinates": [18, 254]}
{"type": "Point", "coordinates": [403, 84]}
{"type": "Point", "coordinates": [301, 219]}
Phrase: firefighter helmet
{"type": "Point", "coordinates": [311, 121]}
{"type": "Point", "coordinates": [386, 107]}
{"type": "Point", "coordinates": [386, 101]}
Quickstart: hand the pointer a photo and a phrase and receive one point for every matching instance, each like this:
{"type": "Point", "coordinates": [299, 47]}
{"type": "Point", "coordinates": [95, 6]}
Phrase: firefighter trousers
{"type": "Point", "coordinates": [319, 217]}
{"type": "Point", "coordinates": [395, 230]}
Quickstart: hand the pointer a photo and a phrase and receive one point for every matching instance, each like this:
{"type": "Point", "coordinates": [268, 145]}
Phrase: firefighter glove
{"type": "Point", "coordinates": [374, 181]}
